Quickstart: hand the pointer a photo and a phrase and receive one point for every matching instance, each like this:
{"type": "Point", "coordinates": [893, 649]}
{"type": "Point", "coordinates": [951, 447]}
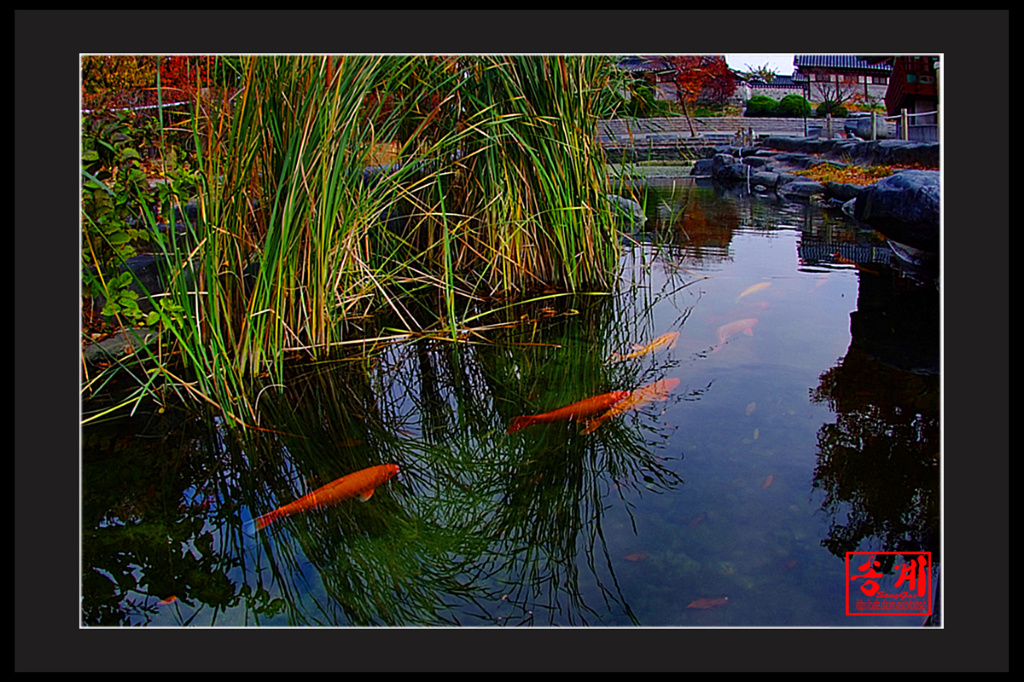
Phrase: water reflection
{"type": "Point", "coordinates": [885, 394]}
{"type": "Point", "coordinates": [160, 496]}
{"type": "Point", "coordinates": [821, 397]}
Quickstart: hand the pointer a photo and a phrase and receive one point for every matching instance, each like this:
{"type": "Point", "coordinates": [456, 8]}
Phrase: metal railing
{"type": "Point", "coordinates": [138, 108]}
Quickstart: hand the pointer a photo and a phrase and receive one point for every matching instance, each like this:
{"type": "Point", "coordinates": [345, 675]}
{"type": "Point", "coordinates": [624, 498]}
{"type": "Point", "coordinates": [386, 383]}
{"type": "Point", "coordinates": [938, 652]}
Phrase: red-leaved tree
{"type": "Point", "coordinates": [127, 80]}
{"type": "Point", "coordinates": [705, 77]}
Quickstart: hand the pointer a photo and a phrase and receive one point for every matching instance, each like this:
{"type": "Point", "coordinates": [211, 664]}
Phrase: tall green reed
{"type": "Point", "coordinates": [499, 188]}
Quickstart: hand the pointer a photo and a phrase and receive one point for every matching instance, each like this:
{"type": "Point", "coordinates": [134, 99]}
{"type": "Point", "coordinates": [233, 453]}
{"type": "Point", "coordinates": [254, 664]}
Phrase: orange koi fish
{"type": "Point", "coordinates": [359, 484]}
{"type": "Point", "coordinates": [581, 410]}
{"type": "Point", "coordinates": [668, 339]}
{"type": "Point", "coordinates": [707, 603]}
{"type": "Point", "coordinates": [768, 481]}
{"type": "Point", "coordinates": [659, 390]}
{"type": "Point", "coordinates": [726, 331]}
{"type": "Point", "coordinates": [841, 260]}
{"type": "Point", "coordinates": [846, 261]}
{"type": "Point", "coordinates": [639, 556]}
{"type": "Point", "coordinates": [752, 289]}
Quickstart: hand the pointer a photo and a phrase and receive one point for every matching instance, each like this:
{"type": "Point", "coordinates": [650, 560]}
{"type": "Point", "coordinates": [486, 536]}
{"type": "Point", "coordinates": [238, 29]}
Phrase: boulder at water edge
{"type": "Point", "coordinates": [904, 207]}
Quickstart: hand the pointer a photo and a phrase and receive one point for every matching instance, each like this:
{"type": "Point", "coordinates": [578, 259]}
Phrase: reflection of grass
{"type": "Point", "coordinates": [478, 526]}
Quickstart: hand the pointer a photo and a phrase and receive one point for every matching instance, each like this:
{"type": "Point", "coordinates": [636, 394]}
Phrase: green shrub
{"type": "Point", "coordinates": [643, 99]}
{"type": "Point", "coordinates": [112, 180]}
{"type": "Point", "coordinates": [711, 110]}
{"type": "Point", "coordinates": [794, 106]}
{"type": "Point", "coordinates": [761, 106]}
{"type": "Point", "coordinates": [117, 203]}
{"type": "Point", "coordinates": [826, 108]}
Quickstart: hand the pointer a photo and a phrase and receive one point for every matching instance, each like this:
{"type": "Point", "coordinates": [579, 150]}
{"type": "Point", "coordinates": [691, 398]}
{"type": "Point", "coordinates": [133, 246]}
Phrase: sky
{"type": "Point", "coordinates": [782, 64]}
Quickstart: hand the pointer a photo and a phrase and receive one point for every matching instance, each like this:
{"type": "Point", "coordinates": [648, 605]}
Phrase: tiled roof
{"type": "Point", "coordinates": [838, 61]}
{"type": "Point", "coordinates": [778, 81]}
{"type": "Point", "coordinates": [642, 63]}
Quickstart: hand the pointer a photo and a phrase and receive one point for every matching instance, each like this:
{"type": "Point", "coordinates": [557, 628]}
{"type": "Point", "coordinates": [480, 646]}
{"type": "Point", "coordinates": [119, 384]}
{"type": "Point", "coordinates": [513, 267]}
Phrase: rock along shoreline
{"type": "Point", "coordinates": [904, 207]}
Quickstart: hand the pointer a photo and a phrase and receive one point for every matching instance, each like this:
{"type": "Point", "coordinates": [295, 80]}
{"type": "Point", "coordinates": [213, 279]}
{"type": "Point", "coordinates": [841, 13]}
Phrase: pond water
{"type": "Point", "coordinates": [804, 424]}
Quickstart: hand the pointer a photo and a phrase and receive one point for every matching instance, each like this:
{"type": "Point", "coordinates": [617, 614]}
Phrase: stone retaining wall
{"type": "Point", "coordinates": [669, 139]}
{"type": "Point", "coordinates": [624, 129]}
{"type": "Point", "coordinates": [630, 128]}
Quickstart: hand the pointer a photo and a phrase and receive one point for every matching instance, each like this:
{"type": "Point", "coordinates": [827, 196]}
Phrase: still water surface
{"type": "Point", "coordinates": [805, 424]}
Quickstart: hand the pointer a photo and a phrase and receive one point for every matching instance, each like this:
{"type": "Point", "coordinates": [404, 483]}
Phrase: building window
{"type": "Point", "coordinates": [911, 77]}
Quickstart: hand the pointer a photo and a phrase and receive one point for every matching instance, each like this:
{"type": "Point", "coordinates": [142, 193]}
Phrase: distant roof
{"type": "Point", "coordinates": [642, 63]}
{"type": "Point", "coordinates": [840, 61]}
{"type": "Point", "coordinates": [778, 81]}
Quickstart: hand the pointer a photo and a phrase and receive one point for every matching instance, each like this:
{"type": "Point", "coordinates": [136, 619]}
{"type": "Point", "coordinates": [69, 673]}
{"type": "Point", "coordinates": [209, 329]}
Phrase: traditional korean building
{"type": "Point", "coordinates": [777, 88]}
{"type": "Point", "coordinates": [851, 78]}
{"type": "Point", "coordinates": [914, 88]}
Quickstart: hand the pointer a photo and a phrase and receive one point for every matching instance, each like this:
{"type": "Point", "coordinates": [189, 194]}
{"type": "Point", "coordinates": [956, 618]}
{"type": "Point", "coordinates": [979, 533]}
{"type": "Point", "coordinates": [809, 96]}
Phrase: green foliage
{"type": "Point", "coordinates": [641, 102]}
{"type": "Point", "coordinates": [794, 106]}
{"type": "Point", "coordinates": [764, 73]}
{"type": "Point", "coordinates": [117, 72]}
{"type": "Point", "coordinates": [826, 108]}
{"type": "Point", "coordinates": [616, 98]}
{"type": "Point", "coordinates": [715, 110]}
{"type": "Point", "coordinates": [760, 106]}
{"type": "Point", "coordinates": [500, 186]}
{"type": "Point", "coordinates": [120, 209]}
{"type": "Point", "coordinates": [113, 186]}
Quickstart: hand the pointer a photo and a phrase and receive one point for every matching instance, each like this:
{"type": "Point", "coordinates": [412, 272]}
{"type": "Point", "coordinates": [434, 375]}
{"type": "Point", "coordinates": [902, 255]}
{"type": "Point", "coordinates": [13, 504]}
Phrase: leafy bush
{"type": "Point", "coordinates": [712, 110]}
{"type": "Point", "coordinates": [643, 103]}
{"type": "Point", "coordinates": [641, 100]}
{"type": "Point", "coordinates": [112, 179]}
{"type": "Point", "coordinates": [119, 209]}
{"type": "Point", "coordinates": [826, 108]}
{"type": "Point", "coordinates": [794, 106]}
{"type": "Point", "coordinates": [760, 106]}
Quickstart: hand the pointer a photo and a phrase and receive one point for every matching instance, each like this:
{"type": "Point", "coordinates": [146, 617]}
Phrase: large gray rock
{"type": "Point", "coordinates": [727, 170]}
{"type": "Point", "coordinates": [860, 152]}
{"type": "Point", "coordinates": [904, 207]}
{"type": "Point", "coordinates": [630, 212]}
{"type": "Point", "coordinates": [801, 190]}
{"type": "Point", "coordinates": [702, 167]}
{"type": "Point", "coordinates": [768, 180]}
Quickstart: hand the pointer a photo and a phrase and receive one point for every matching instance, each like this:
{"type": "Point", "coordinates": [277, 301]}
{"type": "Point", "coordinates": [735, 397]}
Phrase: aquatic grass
{"type": "Point", "coordinates": [498, 189]}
